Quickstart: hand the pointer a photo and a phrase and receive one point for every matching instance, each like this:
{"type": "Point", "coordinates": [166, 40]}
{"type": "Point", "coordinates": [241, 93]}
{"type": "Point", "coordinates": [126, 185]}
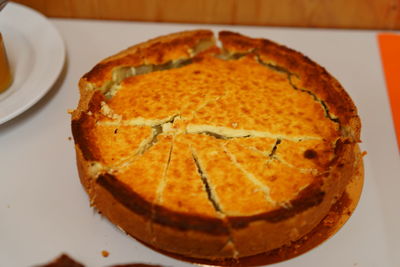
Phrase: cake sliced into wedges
{"type": "Point", "coordinates": [214, 152]}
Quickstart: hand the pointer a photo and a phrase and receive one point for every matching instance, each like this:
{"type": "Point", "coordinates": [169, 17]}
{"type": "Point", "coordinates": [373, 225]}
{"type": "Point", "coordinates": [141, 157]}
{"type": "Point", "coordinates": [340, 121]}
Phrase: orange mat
{"type": "Point", "coordinates": [389, 45]}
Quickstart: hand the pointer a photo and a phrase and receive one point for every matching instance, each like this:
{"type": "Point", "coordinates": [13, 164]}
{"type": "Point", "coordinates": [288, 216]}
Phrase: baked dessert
{"type": "Point", "coordinates": [214, 152]}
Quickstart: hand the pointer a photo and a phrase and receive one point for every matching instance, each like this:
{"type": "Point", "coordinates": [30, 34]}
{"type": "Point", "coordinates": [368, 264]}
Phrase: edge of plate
{"type": "Point", "coordinates": [57, 71]}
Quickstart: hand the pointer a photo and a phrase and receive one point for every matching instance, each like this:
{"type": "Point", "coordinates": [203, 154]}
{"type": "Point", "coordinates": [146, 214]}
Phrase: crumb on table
{"type": "Point", "coordinates": [105, 253]}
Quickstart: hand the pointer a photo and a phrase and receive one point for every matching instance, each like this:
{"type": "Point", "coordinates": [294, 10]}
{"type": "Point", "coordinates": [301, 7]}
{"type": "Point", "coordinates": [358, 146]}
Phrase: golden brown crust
{"type": "Point", "coordinates": [156, 51]}
{"type": "Point", "coordinates": [145, 142]}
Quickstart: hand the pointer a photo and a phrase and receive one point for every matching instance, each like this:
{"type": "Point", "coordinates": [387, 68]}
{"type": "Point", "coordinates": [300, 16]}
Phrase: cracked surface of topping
{"type": "Point", "coordinates": [212, 136]}
{"type": "Point", "coordinates": [242, 129]}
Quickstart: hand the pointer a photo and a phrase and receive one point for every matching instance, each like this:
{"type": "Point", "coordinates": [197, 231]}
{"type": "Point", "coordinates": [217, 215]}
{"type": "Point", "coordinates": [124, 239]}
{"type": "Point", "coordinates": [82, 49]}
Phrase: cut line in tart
{"type": "Point", "coordinates": [214, 152]}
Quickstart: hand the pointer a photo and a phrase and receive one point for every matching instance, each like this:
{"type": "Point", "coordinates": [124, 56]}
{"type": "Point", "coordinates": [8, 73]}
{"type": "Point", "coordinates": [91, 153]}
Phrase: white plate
{"type": "Point", "coordinates": [36, 53]}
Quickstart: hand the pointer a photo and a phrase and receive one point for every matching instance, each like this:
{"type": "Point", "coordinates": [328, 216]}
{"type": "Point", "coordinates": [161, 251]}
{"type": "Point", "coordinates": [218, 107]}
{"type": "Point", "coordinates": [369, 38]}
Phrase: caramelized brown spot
{"type": "Point", "coordinates": [310, 154]}
{"type": "Point", "coordinates": [245, 111]}
{"type": "Point", "coordinates": [79, 131]}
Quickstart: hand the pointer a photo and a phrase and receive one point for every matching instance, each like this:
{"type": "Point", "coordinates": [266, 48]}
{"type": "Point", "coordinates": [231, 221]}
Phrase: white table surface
{"type": "Point", "coordinates": [44, 210]}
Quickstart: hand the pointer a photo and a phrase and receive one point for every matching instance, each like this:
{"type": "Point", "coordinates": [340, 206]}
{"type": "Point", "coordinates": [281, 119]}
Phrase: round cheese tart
{"type": "Point", "coordinates": [214, 152]}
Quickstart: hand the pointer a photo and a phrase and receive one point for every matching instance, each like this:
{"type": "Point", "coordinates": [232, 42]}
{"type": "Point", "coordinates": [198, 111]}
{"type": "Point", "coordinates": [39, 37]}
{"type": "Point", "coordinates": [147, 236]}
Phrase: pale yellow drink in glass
{"type": "Point", "coordinates": [5, 73]}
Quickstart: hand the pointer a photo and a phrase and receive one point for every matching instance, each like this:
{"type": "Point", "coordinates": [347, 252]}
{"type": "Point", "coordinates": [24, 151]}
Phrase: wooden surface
{"type": "Point", "coordinates": [364, 14]}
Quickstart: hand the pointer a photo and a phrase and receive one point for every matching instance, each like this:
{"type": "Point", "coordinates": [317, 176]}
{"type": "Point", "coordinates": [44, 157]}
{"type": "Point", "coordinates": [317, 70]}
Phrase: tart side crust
{"type": "Point", "coordinates": [176, 232]}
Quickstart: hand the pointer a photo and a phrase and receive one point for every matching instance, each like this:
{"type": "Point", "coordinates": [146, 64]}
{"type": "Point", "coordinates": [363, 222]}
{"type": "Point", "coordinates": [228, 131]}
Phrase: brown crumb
{"type": "Point", "coordinates": [105, 253]}
{"type": "Point", "coordinates": [69, 138]}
